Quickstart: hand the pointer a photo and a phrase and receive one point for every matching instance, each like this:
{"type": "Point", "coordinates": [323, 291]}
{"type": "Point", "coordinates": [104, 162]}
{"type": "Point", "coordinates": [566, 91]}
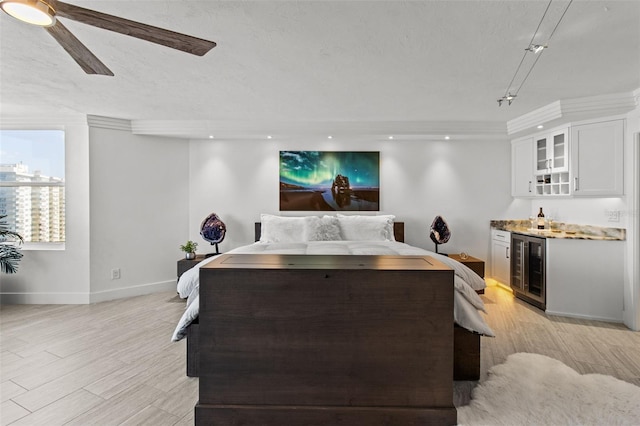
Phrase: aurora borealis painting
{"type": "Point", "coordinates": [329, 180]}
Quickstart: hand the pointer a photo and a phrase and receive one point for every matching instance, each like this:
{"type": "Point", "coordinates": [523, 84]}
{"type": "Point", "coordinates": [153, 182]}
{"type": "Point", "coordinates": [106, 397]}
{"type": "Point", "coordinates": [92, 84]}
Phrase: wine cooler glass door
{"type": "Point", "coordinates": [518, 263]}
{"type": "Point", "coordinates": [536, 269]}
{"type": "Point", "coordinates": [528, 269]}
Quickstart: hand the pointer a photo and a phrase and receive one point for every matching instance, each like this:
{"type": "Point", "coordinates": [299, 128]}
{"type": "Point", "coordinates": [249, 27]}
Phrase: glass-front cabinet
{"type": "Point", "coordinates": [551, 163]}
{"type": "Point", "coordinates": [552, 152]}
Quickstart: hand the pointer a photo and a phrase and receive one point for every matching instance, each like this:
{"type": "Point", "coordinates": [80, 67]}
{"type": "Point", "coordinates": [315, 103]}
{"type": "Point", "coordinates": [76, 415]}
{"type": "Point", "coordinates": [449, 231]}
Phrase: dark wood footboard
{"type": "Point", "coordinates": [326, 340]}
{"type": "Point", "coordinates": [466, 353]}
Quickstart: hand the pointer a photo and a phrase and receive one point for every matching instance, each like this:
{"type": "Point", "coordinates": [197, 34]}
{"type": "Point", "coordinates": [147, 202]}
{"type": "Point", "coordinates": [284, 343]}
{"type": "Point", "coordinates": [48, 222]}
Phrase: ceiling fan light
{"type": "Point", "coordinates": [35, 12]}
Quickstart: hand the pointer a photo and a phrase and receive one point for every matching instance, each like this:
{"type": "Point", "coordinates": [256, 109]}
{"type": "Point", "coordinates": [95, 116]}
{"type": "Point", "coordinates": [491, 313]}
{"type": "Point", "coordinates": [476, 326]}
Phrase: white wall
{"type": "Point", "coordinates": [467, 182]}
{"type": "Point", "coordinates": [631, 315]}
{"type": "Point", "coordinates": [60, 276]}
{"type": "Point", "coordinates": [139, 217]}
{"type": "Point", "coordinates": [126, 207]}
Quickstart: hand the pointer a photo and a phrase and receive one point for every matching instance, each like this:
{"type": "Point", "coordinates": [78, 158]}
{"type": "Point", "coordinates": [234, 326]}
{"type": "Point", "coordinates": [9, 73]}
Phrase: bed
{"type": "Point", "coordinates": [375, 239]}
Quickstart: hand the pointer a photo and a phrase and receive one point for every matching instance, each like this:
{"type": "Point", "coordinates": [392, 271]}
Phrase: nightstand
{"type": "Point", "coordinates": [475, 264]}
{"type": "Point", "coordinates": [185, 264]}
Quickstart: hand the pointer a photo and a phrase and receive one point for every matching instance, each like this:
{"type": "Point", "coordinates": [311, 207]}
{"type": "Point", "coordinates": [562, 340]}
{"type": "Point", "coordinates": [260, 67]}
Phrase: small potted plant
{"type": "Point", "coordinates": [190, 249]}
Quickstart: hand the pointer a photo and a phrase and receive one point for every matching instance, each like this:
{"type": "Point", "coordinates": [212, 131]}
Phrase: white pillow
{"type": "Point", "coordinates": [281, 229]}
{"type": "Point", "coordinates": [366, 228]}
{"type": "Point", "coordinates": [324, 228]}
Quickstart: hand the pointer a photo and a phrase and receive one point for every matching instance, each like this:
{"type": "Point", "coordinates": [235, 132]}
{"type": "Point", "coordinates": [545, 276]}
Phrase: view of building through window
{"type": "Point", "coordinates": [32, 182]}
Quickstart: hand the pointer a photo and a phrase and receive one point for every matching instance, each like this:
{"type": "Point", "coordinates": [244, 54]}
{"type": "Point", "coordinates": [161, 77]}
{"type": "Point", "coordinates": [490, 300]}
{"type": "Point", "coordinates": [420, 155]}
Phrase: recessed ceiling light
{"type": "Point", "coordinates": [390, 137]}
{"type": "Point", "coordinates": [540, 126]}
{"type": "Point", "coordinates": [269, 137]}
{"type": "Point", "coordinates": [210, 136]}
{"type": "Point", "coordinates": [329, 137]}
{"type": "Point", "coordinates": [446, 138]}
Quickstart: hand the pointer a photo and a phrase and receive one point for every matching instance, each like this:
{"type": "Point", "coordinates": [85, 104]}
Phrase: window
{"type": "Point", "coordinates": [32, 194]}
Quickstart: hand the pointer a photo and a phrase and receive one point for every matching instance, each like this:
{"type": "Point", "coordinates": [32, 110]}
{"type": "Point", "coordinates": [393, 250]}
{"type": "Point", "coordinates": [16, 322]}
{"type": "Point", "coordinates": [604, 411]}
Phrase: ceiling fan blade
{"type": "Point", "coordinates": [186, 43]}
{"type": "Point", "coordinates": [78, 51]}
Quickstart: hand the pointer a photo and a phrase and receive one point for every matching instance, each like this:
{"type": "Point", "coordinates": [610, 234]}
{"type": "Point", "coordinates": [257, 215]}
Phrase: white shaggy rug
{"type": "Point", "coordinates": [532, 389]}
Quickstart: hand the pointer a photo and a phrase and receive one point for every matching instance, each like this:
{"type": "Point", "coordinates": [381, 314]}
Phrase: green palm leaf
{"type": "Point", "coordinates": [9, 254]}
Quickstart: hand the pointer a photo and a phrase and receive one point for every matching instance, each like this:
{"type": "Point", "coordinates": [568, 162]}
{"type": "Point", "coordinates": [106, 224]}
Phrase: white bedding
{"type": "Point", "coordinates": [467, 303]}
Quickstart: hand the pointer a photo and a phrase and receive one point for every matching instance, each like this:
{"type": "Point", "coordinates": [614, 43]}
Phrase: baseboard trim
{"type": "Point", "coordinates": [138, 290]}
{"type": "Point", "coordinates": [586, 317]}
{"type": "Point", "coordinates": [44, 298]}
{"type": "Point", "coordinates": [85, 298]}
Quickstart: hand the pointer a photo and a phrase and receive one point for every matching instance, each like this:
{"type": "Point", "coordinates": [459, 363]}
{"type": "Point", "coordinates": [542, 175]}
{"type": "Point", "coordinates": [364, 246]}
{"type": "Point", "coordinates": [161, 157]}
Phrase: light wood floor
{"type": "Point", "coordinates": [586, 346]}
{"type": "Point", "coordinates": [113, 362]}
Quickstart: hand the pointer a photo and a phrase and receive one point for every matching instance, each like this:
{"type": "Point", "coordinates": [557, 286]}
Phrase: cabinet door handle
{"type": "Point", "coordinates": [506, 250]}
{"type": "Point", "coordinates": [529, 186]}
{"type": "Point", "coordinates": [575, 184]}
{"type": "Point", "coordinates": [551, 163]}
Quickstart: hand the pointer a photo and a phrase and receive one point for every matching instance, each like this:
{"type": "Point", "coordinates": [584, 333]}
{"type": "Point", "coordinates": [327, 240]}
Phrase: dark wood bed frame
{"type": "Point", "coordinates": [219, 394]}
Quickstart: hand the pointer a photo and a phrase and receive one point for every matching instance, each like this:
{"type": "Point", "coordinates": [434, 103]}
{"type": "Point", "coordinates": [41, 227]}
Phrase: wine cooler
{"type": "Point", "coordinates": [528, 269]}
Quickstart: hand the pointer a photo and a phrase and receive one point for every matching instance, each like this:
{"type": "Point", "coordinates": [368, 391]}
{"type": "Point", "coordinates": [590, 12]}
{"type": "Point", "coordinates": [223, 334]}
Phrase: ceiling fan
{"type": "Point", "coordinates": [45, 13]}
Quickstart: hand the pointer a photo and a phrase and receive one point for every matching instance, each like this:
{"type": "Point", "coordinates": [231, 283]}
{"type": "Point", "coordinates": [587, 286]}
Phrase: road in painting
{"type": "Point", "coordinates": [325, 181]}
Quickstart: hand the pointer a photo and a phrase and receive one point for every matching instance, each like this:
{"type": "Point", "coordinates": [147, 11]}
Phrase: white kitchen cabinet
{"type": "Point", "coordinates": [597, 158]}
{"type": "Point", "coordinates": [500, 256]}
{"type": "Point", "coordinates": [551, 152]}
{"type": "Point", "coordinates": [585, 278]}
{"type": "Point", "coordinates": [522, 178]}
{"type": "Point", "coordinates": [583, 160]}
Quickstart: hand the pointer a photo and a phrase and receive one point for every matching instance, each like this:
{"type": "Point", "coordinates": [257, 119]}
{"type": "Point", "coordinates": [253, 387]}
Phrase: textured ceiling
{"type": "Point", "coordinates": [327, 61]}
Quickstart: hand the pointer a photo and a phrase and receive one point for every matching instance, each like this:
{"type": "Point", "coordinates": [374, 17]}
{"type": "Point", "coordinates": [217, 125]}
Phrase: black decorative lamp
{"type": "Point", "coordinates": [440, 233]}
{"type": "Point", "coordinates": [213, 230]}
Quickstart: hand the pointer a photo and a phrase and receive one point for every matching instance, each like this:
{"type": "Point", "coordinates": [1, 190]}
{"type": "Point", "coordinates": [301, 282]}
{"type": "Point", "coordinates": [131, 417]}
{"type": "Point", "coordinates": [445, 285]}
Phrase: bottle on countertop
{"type": "Point", "coordinates": [540, 219]}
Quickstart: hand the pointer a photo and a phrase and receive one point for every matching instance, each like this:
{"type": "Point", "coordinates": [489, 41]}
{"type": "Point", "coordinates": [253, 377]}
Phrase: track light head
{"type": "Point", "coordinates": [506, 98]}
{"type": "Point", "coordinates": [536, 48]}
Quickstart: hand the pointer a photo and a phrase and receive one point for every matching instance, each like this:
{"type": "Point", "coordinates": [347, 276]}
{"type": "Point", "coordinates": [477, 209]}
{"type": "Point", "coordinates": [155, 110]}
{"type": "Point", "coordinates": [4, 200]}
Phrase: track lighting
{"type": "Point", "coordinates": [506, 98]}
{"type": "Point", "coordinates": [537, 49]}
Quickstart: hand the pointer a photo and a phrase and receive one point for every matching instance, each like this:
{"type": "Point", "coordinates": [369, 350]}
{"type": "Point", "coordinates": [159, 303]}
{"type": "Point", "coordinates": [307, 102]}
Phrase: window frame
{"type": "Point", "coordinates": [42, 245]}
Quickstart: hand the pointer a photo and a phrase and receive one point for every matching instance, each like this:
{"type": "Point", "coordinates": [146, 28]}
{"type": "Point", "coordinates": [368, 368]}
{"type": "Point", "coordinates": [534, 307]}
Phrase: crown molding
{"type": "Point", "coordinates": [42, 121]}
{"type": "Point", "coordinates": [547, 113]}
{"type": "Point", "coordinates": [574, 110]}
{"type": "Point", "coordinates": [403, 130]}
{"type": "Point", "coordinates": [109, 123]}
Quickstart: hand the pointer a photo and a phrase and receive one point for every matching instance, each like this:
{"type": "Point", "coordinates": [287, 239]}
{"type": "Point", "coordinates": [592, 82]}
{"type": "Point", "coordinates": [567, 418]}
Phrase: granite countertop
{"type": "Point", "coordinates": [561, 230]}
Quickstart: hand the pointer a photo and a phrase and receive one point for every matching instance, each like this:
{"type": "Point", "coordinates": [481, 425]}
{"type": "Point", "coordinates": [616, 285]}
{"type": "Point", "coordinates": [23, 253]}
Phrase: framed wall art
{"type": "Point", "coordinates": [329, 181]}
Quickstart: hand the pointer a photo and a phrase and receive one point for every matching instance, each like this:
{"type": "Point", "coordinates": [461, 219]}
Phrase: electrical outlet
{"type": "Point", "coordinates": [613, 215]}
{"type": "Point", "coordinates": [115, 274]}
